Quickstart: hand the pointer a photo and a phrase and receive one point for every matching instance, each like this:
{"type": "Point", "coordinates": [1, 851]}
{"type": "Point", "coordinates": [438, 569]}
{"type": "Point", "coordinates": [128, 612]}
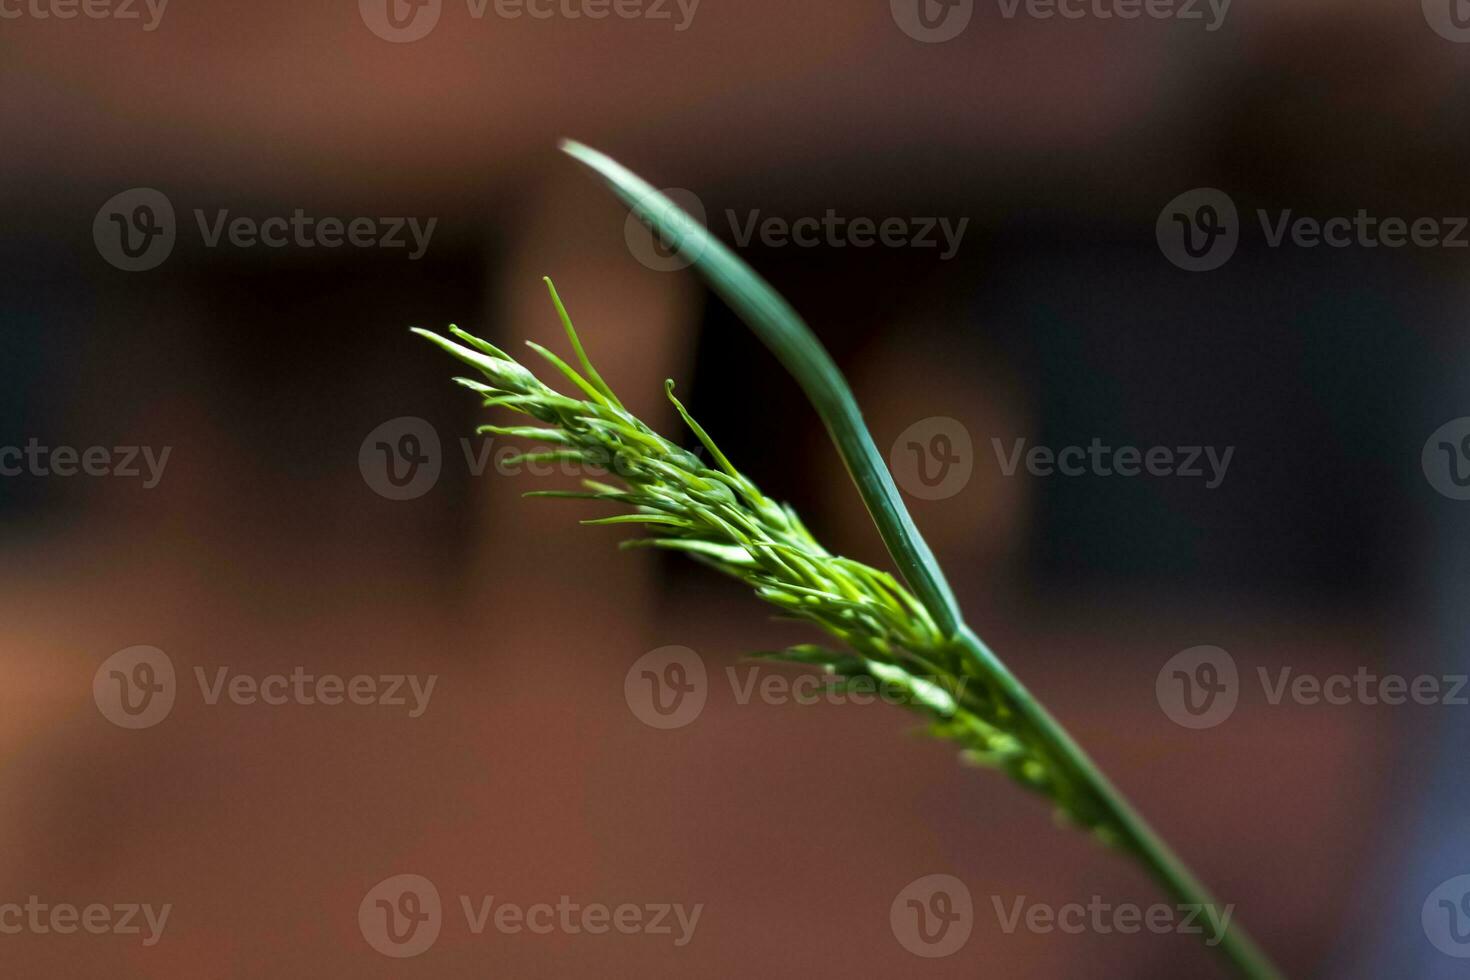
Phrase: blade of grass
{"type": "Point", "coordinates": [782, 330]}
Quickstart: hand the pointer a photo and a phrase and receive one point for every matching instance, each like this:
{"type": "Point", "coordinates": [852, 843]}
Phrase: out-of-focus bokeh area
{"type": "Point", "coordinates": [245, 372]}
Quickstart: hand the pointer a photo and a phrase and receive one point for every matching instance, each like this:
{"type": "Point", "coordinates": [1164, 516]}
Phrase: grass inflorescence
{"type": "Point", "coordinates": [906, 634]}
{"type": "Point", "coordinates": [718, 516]}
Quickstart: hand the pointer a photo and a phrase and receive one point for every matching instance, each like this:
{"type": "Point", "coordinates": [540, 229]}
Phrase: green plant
{"type": "Point", "coordinates": [913, 641]}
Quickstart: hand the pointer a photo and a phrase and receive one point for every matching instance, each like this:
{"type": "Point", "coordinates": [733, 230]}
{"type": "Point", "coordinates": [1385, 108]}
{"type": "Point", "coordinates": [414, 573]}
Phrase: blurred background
{"type": "Point", "coordinates": [269, 539]}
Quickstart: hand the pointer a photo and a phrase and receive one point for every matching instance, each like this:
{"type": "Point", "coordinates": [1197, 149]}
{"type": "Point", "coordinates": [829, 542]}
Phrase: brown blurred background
{"type": "Point", "coordinates": [263, 548]}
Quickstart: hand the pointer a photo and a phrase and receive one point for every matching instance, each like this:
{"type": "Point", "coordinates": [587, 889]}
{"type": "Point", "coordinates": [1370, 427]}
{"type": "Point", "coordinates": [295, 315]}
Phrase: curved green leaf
{"type": "Point", "coordinates": [782, 330]}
